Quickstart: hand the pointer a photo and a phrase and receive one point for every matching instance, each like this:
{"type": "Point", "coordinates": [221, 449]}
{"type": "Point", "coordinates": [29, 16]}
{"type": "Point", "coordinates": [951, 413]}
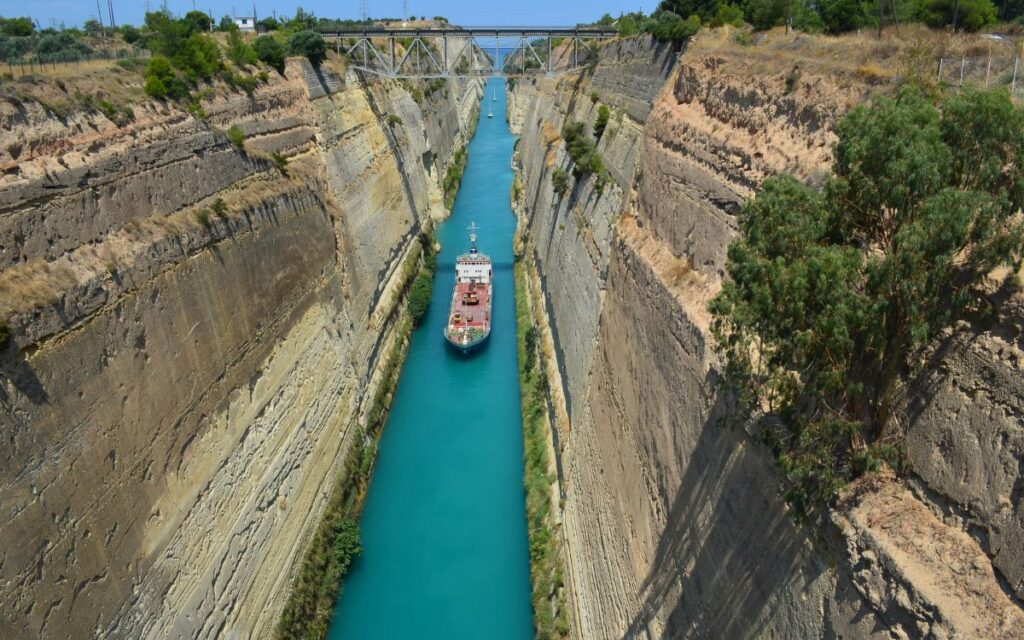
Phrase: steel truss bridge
{"type": "Point", "coordinates": [468, 52]}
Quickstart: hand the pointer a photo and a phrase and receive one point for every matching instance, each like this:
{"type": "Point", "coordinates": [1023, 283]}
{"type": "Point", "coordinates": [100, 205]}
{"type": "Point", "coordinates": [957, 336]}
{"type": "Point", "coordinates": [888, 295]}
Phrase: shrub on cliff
{"type": "Point", "coordinates": [667, 26]}
{"type": "Point", "coordinates": [162, 81]}
{"type": "Point", "coordinates": [239, 51]}
{"type": "Point", "coordinates": [559, 181]}
{"type": "Point", "coordinates": [270, 51]}
{"type": "Point", "coordinates": [603, 114]}
{"type": "Point", "coordinates": [419, 295]}
{"type": "Point", "coordinates": [582, 149]}
{"type": "Point", "coordinates": [835, 297]}
{"type": "Point", "coordinates": [309, 44]}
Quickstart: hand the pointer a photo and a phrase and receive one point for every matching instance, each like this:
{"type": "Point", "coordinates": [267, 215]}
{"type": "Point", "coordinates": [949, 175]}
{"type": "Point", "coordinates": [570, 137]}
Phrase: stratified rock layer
{"type": "Point", "coordinates": [672, 524]}
{"type": "Point", "coordinates": [182, 384]}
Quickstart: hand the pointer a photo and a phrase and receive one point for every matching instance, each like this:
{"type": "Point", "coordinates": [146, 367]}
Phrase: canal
{"type": "Point", "coordinates": [444, 527]}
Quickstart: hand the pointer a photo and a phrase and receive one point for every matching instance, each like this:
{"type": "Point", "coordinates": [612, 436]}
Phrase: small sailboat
{"type": "Point", "coordinates": [490, 112]}
{"type": "Point", "coordinates": [494, 96]}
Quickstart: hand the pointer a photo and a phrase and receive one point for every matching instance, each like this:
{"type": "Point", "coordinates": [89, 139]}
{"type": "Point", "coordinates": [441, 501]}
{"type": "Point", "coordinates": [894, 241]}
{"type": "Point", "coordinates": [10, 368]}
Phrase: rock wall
{"type": "Point", "coordinates": [672, 524]}
{"type": "Point", "coordinates": [181, 385]}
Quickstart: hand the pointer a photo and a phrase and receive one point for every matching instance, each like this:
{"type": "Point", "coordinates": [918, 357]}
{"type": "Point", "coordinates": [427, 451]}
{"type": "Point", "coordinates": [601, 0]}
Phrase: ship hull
{"type": "Point", "coordinates": [466, 348]}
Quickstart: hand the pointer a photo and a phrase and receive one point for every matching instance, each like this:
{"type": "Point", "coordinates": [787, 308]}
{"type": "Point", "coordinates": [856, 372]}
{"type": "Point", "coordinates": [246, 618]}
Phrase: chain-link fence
{"type": "Point", "coordinates": [42, 61]}
{"type": "Point", "coordinates": [983, 72]}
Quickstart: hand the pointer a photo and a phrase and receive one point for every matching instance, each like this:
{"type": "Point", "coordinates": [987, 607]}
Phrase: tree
{"type": "Point", "coordinates": [969, 15]}
{"type": "Point", "coordinates": [93, 27]}
{"type": "Point", "coordinates": [840, 16]}
{"type": "Point", "coordinates": [267, 24]}
{"type": "Point", "coordinates": [669, 27]}
{"type": "Point", "coordinates": [226, 23]}
{"type": "Point", "coordinates": [727, 14]}
{"type": "Point", "coordinates": [835, 297]}
{"type": "Point", "coordinates": [161, 81]}
{"type": "Point", "coordinates": [270, 51]}
{"type": "Point", "coordinates": [197, 22]}
{"type": "Point", "coordinates": [765, 14]}
{"type": "Point", "coordinates": [629, 24]}
{"type": "Point", "coordinates": [239, 51]}
{"type": "Point", "coordinates": [130, 34]}
{"type": "Point", "coordinates": [18, 27]}
{"type": "Point", "coordinates": [309, 44]}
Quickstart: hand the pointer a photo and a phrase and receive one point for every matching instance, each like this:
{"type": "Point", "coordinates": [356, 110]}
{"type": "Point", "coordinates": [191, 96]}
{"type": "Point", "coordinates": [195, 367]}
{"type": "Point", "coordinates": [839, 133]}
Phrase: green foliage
{"type": "Point", "coordinates": [220, 208]}
{"type": "Point", "coordinates": [268, 24]}
{"type": "Point", "coordinates": [394, 120]}
{"type": "Point", "coordinates": [727, 14]}
{"type": "Point", "coordinates": [547, 582]}
{"type": "Point", "coordinates": [765, 14]}
{"type": "Point", "coordinates": [17, 27]}
{"type": "Point", "coordinates": [240, 52]}
{"type": "Point", "coordinates": [807, 20]}
{"type": "Point", "coordinates": [835, 297]}
{"type": "Point", "coordinates": [970, 15]}
{"type": "Point", "coordinates": [594, 97]}
{"type": "Point", "coordinates": [270, 51]}
{"type": "Point", "coordinates": [453, 176]}
{"type": "Point", "coordinates": [419, 295]}
{"type": "Point", "coordinates": [197, 21]}
{"type": "Point", "coordinates": [5, 334]}
{"type": "Point", "coordinates": [846, 15]}
{"type": "Point", "coordinates": [582, 149]}
{"type": "Point", "coordinates": [280, 163]}
{"type": "Point", "coordinates": [629, 24]}
{"type": "Point", "coordinates": [226, 24]}
{"type": "Point", "coordinates": [129, 33]}
{"type": "Point", "coordinates": [236, 136]}
{"type": "Point", "coordinates": [162, 81]}
{"type": "Point", "coordinates": [560, 181]}
{"type": "Point", "coordinates": [309, 44]}
{"type": "Point", "coordinates": [203, 217]}
{"type": "Point", "coordinates": [667, 26]}
{"type": "Point", "coordinates": [603, 114]}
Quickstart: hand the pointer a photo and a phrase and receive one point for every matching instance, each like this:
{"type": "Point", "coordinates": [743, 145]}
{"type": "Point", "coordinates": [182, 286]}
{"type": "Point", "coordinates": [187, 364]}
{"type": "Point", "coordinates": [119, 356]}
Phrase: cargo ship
{"type": "Point", "coordinates": [469, 320]}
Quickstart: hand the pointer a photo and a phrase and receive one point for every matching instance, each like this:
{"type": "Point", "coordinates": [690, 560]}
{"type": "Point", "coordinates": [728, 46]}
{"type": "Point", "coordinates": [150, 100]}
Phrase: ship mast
{"type": "Point", "coordinates": [472, 237]}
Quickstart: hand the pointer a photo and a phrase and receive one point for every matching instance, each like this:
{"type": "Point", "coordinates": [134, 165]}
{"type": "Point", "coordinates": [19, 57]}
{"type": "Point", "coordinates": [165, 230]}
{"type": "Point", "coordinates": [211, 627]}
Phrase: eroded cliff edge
{"type": "Point", "coordinates": [671, 521]}
{"type": "Point", "coordinates": [194, 335]}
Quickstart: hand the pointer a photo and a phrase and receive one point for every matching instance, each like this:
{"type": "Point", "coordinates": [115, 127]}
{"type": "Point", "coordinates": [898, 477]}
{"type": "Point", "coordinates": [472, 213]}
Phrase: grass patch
{"type": "Point", "coordinates": [547, 581]}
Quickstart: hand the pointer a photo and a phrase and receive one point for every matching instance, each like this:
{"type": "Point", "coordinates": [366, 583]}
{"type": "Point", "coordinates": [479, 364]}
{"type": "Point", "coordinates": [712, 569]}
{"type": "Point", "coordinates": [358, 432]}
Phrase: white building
{"type": "Point", "coordinates": [246, 24]}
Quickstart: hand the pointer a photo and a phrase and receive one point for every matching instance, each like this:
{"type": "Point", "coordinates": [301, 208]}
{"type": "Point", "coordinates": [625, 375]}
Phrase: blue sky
{"type": "Point", "coordinates": [480, 12]}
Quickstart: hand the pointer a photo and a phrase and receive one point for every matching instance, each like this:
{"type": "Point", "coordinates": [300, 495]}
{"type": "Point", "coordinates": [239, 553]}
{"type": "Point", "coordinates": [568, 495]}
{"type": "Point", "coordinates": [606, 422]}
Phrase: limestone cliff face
{"type": "Point", "coordinates": [672, 525]}
{"type": "Point", "coordinates": [181, 385]}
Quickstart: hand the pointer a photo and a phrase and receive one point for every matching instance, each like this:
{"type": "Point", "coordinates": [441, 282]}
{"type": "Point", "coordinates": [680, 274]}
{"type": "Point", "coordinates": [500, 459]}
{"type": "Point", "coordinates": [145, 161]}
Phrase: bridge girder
{"type": "Point", "coordinates": [428, 53]}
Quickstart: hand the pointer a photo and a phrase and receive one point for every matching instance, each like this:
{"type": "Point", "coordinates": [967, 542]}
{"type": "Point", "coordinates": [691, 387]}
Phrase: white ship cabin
{"type": "Point", "coordinates": [473, 267]}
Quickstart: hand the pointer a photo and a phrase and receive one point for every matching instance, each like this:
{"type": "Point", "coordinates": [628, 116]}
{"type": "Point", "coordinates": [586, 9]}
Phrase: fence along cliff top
{"type": "Point", "coordinates": [455, 52]}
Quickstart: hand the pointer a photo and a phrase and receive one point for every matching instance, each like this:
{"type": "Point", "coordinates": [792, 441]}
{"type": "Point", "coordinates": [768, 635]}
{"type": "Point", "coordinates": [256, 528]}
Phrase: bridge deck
{"type": "Point", "coordinates": [473, 32]}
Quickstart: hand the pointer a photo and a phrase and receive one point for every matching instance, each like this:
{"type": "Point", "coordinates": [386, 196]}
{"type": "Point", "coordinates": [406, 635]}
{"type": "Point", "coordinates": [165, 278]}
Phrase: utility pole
{"type": "Point", "coordinates": [110, 13]}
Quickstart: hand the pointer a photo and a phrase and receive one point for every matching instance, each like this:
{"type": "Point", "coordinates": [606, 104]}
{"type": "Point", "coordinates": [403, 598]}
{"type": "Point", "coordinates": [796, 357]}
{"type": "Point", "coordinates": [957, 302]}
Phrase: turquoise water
{"type": "Point", "coordinates": [444, 527]}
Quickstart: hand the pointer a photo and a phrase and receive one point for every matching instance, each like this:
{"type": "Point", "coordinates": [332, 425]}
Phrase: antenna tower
{"type": "Point", "coordinates": [363, 11]}
{"type": "Point", "coordinates": [405, 9]}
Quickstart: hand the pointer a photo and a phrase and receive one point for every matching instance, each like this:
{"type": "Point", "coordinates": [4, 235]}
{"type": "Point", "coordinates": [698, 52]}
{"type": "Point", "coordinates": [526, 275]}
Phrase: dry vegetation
{"type": "Point", "coordinates": [852, 59]}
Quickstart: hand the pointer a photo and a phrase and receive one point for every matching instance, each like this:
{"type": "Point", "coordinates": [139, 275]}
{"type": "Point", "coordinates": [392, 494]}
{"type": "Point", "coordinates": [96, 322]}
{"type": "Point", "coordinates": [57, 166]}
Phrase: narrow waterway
{"type": "Point", "coordinates": [444, 528]}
